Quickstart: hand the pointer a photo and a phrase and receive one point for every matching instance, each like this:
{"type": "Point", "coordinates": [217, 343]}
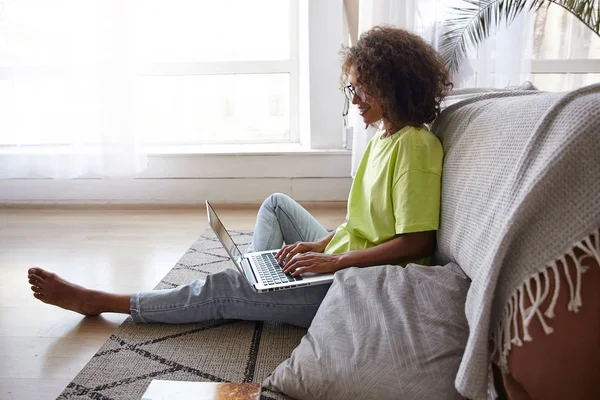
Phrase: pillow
{"type": "Point", "coordinates": [382, 333]}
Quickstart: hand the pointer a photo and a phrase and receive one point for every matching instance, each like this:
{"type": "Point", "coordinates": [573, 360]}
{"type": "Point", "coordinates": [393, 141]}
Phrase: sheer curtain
{"type": "Point", "coordinates": [503, 60]}
{"type": "Point", "coordinates": [67, 79]}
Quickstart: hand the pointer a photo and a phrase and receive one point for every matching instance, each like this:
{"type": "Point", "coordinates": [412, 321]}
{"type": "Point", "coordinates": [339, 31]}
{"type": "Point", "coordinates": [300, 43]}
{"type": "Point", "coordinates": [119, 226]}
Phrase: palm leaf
{"type": "Point", "coordinates": [474, 22]}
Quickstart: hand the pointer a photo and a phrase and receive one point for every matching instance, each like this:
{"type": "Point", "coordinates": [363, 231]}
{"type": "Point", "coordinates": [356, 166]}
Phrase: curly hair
{"type": "Point", "coordinates": [399, 69]}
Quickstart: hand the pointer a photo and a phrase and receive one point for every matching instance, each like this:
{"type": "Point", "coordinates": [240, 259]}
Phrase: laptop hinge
{"type": "Point", "coordinates": [247, 268]}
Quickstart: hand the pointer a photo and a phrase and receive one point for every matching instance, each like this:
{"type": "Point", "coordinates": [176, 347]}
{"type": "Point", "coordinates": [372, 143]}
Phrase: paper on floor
{"type": "Point", "coordinates": [179, 390]}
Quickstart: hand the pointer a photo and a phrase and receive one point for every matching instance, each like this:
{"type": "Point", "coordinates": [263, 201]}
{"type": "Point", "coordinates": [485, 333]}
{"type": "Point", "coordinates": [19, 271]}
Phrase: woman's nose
{"type": "Point", "coordinates": [356, 99]}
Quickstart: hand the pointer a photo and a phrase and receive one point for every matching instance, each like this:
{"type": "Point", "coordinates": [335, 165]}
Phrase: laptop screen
{"type": "Point", "coordinates": [222, 233]}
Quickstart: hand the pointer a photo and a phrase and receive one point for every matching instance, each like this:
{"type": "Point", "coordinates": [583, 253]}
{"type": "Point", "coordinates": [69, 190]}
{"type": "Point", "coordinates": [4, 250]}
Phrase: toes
{"type": "Point", "coordinates": [35, 272]}
{"type": "Point", "coordinates": [34, 276]}
{"type": "Point", "coordinates": [40, 273]}
{"type": "Point", "coordinates": [35, 289]}
{"type": "Point", "coordinates": [39, 276]}
{"type": "Point", "coordinates": [38, 296]}
{"type": "Point", "coordinates": [34, 280]}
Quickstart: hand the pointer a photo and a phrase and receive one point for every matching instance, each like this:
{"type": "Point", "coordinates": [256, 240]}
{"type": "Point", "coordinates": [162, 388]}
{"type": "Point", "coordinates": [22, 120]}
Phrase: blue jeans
{"type": "Point", "coordinates": [227, 294]}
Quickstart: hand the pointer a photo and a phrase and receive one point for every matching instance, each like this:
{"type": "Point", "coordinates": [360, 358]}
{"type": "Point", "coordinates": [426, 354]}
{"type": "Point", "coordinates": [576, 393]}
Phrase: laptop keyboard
{"type": "Point", "coordinates": [270, 271]}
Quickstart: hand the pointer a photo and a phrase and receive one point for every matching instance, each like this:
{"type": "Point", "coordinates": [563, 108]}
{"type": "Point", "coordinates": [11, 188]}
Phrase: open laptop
{"type": "Point", "coordinates": [260, 268]}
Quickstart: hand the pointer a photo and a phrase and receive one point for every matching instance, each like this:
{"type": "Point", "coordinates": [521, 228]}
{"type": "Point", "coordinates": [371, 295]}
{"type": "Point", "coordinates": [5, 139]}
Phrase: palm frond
{"type": "Point", "coordinates": [474, 22]}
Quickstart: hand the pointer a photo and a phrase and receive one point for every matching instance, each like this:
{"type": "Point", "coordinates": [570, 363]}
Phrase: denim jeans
{"type": "Point", "coordinates": [227, 294]}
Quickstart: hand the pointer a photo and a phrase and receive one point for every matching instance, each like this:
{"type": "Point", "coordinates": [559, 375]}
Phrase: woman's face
{"type": "Point", "coordinates": [368, 106]}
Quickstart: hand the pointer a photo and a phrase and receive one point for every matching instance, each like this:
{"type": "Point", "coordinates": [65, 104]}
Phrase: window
{"type": "Point", "coordinates": [566, 53]}
{"type": "Point", "coordinates": [550, 47]}
{"type": "Point", "coordinates": [218, 71]}
{"type": "Point", "coordinates": [178, 71]}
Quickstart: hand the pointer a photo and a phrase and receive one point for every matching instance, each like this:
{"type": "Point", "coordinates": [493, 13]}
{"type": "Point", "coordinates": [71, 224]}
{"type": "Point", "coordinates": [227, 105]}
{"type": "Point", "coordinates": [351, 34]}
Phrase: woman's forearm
{"type": "Point", "coordinates": [406, 247]}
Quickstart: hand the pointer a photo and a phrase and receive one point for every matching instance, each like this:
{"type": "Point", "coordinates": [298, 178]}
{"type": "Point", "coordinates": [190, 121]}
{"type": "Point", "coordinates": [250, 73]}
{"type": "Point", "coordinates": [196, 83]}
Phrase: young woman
{"type": "Point", "coordinates": [396, 80]}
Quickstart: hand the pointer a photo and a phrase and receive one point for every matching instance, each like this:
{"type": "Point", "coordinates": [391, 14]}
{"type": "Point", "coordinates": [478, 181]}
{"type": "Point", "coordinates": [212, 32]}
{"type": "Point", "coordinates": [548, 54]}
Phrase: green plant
{"type": "Point", "coordinates": [471, 24]}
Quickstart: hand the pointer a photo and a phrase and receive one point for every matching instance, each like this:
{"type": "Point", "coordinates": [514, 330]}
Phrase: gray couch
{"type": "Point", "coordinates": [520, 188]}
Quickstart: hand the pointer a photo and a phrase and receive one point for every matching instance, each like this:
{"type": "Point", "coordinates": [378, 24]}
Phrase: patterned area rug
{"type": "Point", "coordinates": [213, 351]}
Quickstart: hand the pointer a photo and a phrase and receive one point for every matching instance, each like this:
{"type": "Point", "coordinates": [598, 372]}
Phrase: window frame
{"type": "Point", "coordinates": [566, 66]}
{"type": "Point", "coordinates": [289, 66]}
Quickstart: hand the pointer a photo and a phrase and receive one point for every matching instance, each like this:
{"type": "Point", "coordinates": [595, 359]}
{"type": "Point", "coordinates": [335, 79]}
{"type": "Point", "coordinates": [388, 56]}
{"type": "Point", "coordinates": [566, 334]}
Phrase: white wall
{"type": "Point", "coordinates": [193, 178]}
{"type": "Point", "coordinates": [326, 27]}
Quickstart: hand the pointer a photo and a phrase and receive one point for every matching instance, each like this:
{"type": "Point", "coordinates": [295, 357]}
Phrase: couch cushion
{"type": "Point", "coordinates": [382, 333]}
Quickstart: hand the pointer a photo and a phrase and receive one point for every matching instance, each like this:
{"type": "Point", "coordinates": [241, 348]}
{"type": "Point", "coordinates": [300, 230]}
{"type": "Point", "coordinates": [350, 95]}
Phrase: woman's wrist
{"type": "Point", "coordinates": [320, 246]}
{"type": "Point", "coordinates": [342, 261]}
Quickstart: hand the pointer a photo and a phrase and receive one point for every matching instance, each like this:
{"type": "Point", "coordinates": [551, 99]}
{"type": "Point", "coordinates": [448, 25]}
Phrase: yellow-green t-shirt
{"type": "Point", "coordinates": [396, 190]}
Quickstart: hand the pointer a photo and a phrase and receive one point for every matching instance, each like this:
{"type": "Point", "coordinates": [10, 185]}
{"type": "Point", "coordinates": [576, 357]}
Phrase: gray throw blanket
{"type": "Point", "coordinates": [520, 189]}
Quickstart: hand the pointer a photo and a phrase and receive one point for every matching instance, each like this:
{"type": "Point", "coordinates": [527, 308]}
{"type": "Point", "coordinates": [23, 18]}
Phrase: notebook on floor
{"type": "Point", "coordinates": [180, 390]}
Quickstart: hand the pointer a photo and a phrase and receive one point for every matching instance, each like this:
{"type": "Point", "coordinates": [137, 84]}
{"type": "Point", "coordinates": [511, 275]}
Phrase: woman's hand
{"type": "Point", "coordinates": [312, 262]}
{"type": "Point", "coordinates": [284, 255]}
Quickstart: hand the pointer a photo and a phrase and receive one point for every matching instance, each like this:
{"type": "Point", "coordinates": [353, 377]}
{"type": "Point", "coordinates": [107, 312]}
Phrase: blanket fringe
{"type": "Point", "coordinates": [507, 332]}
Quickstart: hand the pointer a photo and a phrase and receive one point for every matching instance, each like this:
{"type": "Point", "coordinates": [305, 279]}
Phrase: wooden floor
{"type": "Point", "coordinates": [124, 250]}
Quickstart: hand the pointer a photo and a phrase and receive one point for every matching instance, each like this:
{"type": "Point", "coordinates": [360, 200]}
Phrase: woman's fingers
{"type": "Point", "coordinates": [303, 261]}
{"type": "Point", "coordinates": [285, 257]}
{"type": "Point", "coordinates": [283, 253]}
{"type": "Point", "coordinates": [296, 252]}
{"type": "Point", "coordinates": [284, 250]}
{"type": "Point", "coordinates": [300, 270]}
{"type": "Point", "coordinates": [293, 263]}
{"type": "Point", "coordinates": [286, 254]}
{"type": "Point", "coordinates": [279, 253]}
{"type": "Point", "coordinates": [306, 266]}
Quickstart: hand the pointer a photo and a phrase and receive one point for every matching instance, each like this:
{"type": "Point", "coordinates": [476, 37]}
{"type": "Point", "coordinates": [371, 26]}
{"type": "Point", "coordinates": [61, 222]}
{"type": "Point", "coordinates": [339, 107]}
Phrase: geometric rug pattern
{"type": "Point", "coordinates": [211, 351]}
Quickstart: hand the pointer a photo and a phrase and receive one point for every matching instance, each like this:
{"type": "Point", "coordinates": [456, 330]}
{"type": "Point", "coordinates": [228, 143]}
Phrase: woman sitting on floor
{"type": "Point", "coordinates": [396, 80]}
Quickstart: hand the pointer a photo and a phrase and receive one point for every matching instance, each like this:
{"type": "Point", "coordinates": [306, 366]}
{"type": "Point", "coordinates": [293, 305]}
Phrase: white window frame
{"type": "Point", "coordinates": [317, 31]}
{"type": "Point", "coordinates": [290, 66]}
{"type": "Point", "coordinates": [555, 66]}
{"type": "Point", "coordinates": [563, 66]}
{"type": "Point", "coordinates": [323, 105]}
{"type": "Point", "coordinates": [316, 103]}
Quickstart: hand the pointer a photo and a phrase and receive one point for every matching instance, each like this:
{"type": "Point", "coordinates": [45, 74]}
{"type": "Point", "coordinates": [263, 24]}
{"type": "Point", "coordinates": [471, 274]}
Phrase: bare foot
{"type": "Point", "coordinates": [51, 289]}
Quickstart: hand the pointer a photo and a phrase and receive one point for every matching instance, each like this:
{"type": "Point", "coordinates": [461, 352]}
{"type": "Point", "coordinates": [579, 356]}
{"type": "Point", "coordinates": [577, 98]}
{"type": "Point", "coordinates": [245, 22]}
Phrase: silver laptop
{"type": "Point", "coordinates": [261, 269]}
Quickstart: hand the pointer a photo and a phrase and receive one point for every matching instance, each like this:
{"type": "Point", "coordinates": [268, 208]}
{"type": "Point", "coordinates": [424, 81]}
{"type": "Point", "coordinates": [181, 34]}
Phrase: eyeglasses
{"type": "Point", "coordinates": [350, 91]}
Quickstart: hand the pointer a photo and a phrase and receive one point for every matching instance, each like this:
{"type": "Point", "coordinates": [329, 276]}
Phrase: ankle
{"type": "Point", "coordinates": [97, 302]}
{"type": "Point", "coordinates": [89, 303]}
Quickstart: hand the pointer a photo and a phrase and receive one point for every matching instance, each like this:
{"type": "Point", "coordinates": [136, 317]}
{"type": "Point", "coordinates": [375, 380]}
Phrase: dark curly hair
{"type": "Point", "coordinates": [399, 69]}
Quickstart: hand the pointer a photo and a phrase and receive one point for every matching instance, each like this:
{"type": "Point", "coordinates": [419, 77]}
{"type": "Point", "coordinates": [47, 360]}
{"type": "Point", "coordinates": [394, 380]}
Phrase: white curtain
{"type": "Point", "coordinates": [67, 79]}
{"type": "Point", "coordinates": [499, 62]}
